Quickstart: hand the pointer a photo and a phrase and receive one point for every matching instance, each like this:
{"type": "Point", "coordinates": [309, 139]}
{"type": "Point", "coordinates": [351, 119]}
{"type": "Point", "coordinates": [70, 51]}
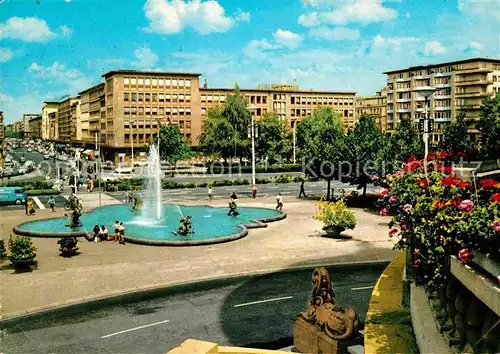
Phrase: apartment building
{"type": "Point", "coordinates": [137, 103]}
{"type": "Point", "coordinates": [461, 86]}
{"type": "Point", "coordinates": [375, 106]}
{"type": "Point", "coordinates": [48, 108]}
{"type": "Point", "coordinates": [92, 107]}
{"type": "Point", "coordinates": [2, 127]}
{"type": "Point", "coordinates": [287, 101]}
{"type": "Point", "coordinates": [32, 125]}
{"type": "Point", "coordinates": [67, 119]}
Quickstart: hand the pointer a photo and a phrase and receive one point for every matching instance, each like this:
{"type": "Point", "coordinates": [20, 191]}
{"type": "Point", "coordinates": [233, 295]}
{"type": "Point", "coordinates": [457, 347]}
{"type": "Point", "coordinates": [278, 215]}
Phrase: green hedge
{"type": "Point", "coordinates": [30, 185]}
{"type": "Point", "coordinates": [136, 183]}
{"type": "Point", "coordinates": [34, 192]}
{"type": "Point", "coordinates": [226, 169]}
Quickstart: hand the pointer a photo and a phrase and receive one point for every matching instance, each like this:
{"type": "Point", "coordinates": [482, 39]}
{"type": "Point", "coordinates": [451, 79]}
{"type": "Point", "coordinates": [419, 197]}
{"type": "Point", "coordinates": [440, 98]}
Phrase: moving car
{"type": "Point", "coordinates": [12, 195]}
{"type": "Point", "coordinates": [123, 170]}
{"type": "Point", "coordinates": [23, 159]}
{"type": "Point", "coordinates": [46, 156]}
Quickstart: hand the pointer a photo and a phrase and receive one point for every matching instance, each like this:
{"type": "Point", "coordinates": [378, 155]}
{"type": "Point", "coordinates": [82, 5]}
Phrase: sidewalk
{"type": "Point", "coordinates": [104, 269]}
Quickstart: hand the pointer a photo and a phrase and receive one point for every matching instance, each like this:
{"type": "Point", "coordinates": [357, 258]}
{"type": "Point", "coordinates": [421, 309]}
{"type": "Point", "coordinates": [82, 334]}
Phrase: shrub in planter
{"type": "Point", "coordinates": [336, 217]}
{"type": "Point", "coordinates": [3, 251]}
{"type": "Point", "coordinates": [68, 245]}
{"type": "Point", "coordinates": [21, 250]}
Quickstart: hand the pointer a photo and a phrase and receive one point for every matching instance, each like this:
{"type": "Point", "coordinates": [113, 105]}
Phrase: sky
{"type": "Point", "coordinates": [52, 48]}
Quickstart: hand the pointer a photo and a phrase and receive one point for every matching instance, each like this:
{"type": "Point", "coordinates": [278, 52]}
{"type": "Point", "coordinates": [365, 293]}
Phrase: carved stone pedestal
{"type": "Point", "coordinates": [308, 338]}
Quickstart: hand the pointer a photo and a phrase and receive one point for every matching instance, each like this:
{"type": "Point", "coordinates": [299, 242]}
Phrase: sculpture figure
{"type": "Point", "coordinates": [185, 226]}
{"type": "Point", "coordinates": [336, 321]}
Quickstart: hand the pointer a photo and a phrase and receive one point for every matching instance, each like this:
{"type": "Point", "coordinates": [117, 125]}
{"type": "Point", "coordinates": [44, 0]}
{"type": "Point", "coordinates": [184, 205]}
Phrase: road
{"type": "Point", "coordinates": [254, 311]}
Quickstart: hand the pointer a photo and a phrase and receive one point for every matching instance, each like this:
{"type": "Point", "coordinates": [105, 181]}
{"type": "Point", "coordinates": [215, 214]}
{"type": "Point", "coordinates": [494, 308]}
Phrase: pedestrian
{"type": "Point", "coordinates": [52, 204]}
{"type": "Point", "coordinates": [31, 209]}
{"type": "Point", "coordinates": [88, 184]}
{"type": "Point", "coordinates": [26, 206]}
{"type": "Point", "coordinates": [121, 233]}
{"type": "Point", "coordinates": [116, 226]}
{"type": "Point", "coordinates": [254, 191]}
{"type": "Point", "coordinates": [103, 234]}
{"type": "Point", "coordinates": [302, 191]}
{"type": "Point", "coordinates": [279, 202]}
{"type": "Point", "coordinates": [209, 193]}
{"type": "Point", "coordinates": [91, 185]}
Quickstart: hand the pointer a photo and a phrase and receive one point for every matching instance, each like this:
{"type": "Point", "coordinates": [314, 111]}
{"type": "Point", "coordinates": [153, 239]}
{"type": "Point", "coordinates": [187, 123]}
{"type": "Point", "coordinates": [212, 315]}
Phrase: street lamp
{"type": "Point", "coordinates": [294, 140]}
{"type": "Point", "coordinates": [132, 122]}
{"type": "Point", "coordinates": [252, 133]}
{"type": "Point", "coordinates": [426, 91]}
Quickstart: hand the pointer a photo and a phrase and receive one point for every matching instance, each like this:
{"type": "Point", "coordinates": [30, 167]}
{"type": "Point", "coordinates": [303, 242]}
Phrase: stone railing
{"type": "Point", "coordinates": [192, 346]}
{"type": "Point", "coordinates": [467, 309]}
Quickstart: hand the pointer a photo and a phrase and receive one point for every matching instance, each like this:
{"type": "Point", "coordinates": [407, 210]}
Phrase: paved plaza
{"type": "Point", "coordinates": [106, 269]}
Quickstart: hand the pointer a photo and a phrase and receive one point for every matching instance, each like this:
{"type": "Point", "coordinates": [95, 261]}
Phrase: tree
{"type": "Point", "coordinates": [363, 144]}
{"type": "Point", "coordinates": [489, 123]}
{"type": "Point", "coordinates": [320, 138]}
{"type": "Point", "coordinates": [273, 140]}
{"type": "Point", "coordinates": [456, 138]}
{"type": "Point", "coordinates": [236, 113]}
{"type": "Point", "coordinates": [173, 146]}
{"type": "Point", "coordinates": [217, 137]}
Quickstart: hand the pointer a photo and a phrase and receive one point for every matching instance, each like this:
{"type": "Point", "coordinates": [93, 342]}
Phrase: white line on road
{"type": "Point", "coordinates": [134, 329]}
{"type": "Point", "coordinates": [39, 203]}
{"type": "Point", "coordinates": [262, 301]}
{"type": "Point", "coordinates": [362, 288]}
{"type": "Point", "coordinates": [286, 192]}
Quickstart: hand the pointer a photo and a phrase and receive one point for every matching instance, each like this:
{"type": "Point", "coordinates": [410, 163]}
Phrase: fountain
{"type": "Point", "coordinates": [151, 209]}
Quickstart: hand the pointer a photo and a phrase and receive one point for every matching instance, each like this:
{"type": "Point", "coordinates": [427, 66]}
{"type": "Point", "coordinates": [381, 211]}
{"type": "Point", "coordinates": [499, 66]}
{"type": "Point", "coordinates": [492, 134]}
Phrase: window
{"type": "Point", "coordinates": [181, 98]}
{"type": "Point", "coordinates": [126, 110]}
{"type": "Point", "coordinates": [168, 82]}
{"type": "Point", "coordinates": [174, 97]}
{"type": "Point", "coordinates": [161, 111]}
{"type": "Point", "coordinates": [134, 111]}
{"type": "Point", "coordinates": [148, 97]}
{"type": "Point", "coordinates": [203, 111]}
{"type": "Point", "coordinates": [264, 99]}
{"type": "Point", "coordinates": [209, 98]}
{"type": "Point", "coordinates": [141, 97]}
{"type": "Point", "coordinates": [188, 111]}
{"type": "Point", "coordinates": [161, 97]}
{"type": "Point", "coordinates": [203, 98]}
{"type": "Point", "coordinates": [167, 97]}
{"type": "Point", "coordinates": [181, 83]}
{"type": "Point", "coordinates": [133, 81]}
{"type": "Point", "coordinates": [155, 97]}
{"type": "Point", "coordinates": [181, 124]}
{"type": "Point", "coordinates": [174, 82]}
{"type": "Point", "coordinates": [252, 99]}
{"type": "Point", "coordinates": [148, 110]}
{"type": "Point", "coordinates": [168, 110]}
{"type": "Point", "coordinates": [141, 111]}
{"type": "Point", "coordinates": [155, 82]}
{"type": "Point", "coordinates": [154, 110]}
{"type": "Point", "coordinates": [188, 98]}
{"type": "Point", "coordinates": [188, 83]}
{"type": "Point", "coordinates": [126, 81]}
{"type": "Point", "coordinates": [292, 100]}
{"type": "Point", "coordinates": [181, 111]}
{"type": "Point", "coordinates": [126, 96]}
{"type": "Point", "coordinates": [161, 82]}
{"type": "Point", "coordinates": [134, 97]}
{"type": "Point", "coordinates": [222, 98]}
{"type": "Point", "coordinates": [147, 82]}
{"type": "Point", "coordinates": [140, 82]}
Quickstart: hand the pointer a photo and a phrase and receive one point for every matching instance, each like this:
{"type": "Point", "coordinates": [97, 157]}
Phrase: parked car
{"type": "Point", "coordinates": [124, 170]}
{"type": "Point", "coordinates": [46, 156]}
{"type": "Point", "coordinates": [23, 159]}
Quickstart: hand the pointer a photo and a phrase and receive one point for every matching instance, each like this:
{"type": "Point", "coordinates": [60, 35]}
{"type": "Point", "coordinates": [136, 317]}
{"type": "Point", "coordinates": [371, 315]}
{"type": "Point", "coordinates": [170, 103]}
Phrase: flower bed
{"type": "Point", "coordinates": [437, 215]}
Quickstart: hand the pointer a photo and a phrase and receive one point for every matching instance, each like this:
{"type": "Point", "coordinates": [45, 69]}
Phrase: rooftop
{"type": "Point", "coordinates": [139, 72]}
{"type": "Point", "coordinates": [278, 90]}
{"type": "Point", "coordinates": [92, 88]}
{"type": "Point", "coordinates": [429, 66]}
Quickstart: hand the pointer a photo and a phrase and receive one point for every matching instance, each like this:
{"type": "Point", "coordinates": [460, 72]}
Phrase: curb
{"type": "Point", "coordinates": [156, 290]}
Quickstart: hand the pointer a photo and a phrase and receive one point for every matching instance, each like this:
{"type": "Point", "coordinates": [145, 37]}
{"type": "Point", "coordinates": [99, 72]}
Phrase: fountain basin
{"type": "Point", "coordinates": [211, 224]}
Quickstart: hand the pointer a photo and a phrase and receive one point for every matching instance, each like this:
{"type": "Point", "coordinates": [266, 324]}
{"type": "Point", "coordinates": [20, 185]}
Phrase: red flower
{"type": "Point", "coordinates": [442, 154]}
{"type": "Point", "coordinates": [495, 198]}
{"type": "Point", "coordinates": [422, 183]}
{"type": "Point", "coordinates": [488, 183]}
{"type": "Point", "coordinates": [447, 170]}
{"type": "Point", "coordinates": [465, 255]}
{"type": "Point", "coordinates": [412, 165]}
{"type": "Point", "coordinates": [438, 204]}
{"type": "Point", "coordinates": [431, 157]}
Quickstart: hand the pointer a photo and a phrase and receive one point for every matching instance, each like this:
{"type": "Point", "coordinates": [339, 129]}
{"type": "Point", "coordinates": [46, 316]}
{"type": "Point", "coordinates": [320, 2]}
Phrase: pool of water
{"type": "Point", "coordinates": [208, 222]}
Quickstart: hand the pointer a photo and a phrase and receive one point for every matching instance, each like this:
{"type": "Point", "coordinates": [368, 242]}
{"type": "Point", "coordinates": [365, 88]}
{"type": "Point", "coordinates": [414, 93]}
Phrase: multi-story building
{"type": "Point", "coordinates": [375, 106]}
{"type": "Point", "coordinates": [32, 125]}
{"type": "Point", "coordinates": [66, 122]}
{"type": "Point", "coordinates": [461, 86]}
{"type": "Point", "coordinates": [2, 128]}
{"type": "Point", "coordinates": [138, 102]}
{"type": "Point", "coordinates": [53, 126]}
{"type": "Point", "coordinates": [287, 101]}
{"type": "Point", "coordinates": [48, 108]}
{"type": "Point", "coordinates": [92, 106]}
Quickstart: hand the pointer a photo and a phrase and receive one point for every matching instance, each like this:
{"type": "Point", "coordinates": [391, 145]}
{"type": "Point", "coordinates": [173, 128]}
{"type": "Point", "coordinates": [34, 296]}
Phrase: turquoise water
{"type": "Point", "coordinates": [208, 222]}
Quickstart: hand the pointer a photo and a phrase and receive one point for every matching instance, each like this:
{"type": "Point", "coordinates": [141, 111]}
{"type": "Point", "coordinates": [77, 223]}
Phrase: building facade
{"type": "Point", "coordinates": [48, 108]}
{"type": "Point", "coordinates": [92, 107]}
{"type": "Point", "coordinates": [461, 86]}
{"type": "Point", "coordinates": [374, 106]}
{"type": "Point", "coordinates": [65, 117]}
{"type": "Point", "coordinates": [2, 127]}
{"type": "Point", "coordinates": [32, 125]}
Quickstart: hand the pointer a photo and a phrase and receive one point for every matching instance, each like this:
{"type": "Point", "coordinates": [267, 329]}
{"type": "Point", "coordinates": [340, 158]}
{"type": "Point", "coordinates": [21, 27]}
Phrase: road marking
{"type": "Point", "coordinates": [39, 203]}
{"type": "Point", "coordinates": [133, 329]}
{"type": "Point", "coordinates": [362, 288]}
{"type": "Point", "coordinates": [286, 192]}
{"type": "Point", "coordinates": [262, 301]}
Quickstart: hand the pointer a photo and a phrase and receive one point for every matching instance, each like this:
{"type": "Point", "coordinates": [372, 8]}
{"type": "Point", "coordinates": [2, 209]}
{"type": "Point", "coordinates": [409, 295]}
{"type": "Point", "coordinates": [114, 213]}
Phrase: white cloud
{"type": "Point", "coordinates": [337, 33]}
{"type": "Point", "coordinates": [287, 38]}
{"type": "Point", "coordinates": [432, 48]}
{"type": "Point", "coordinates": [255, 49]}
{"type": "Point", "coordinates": [146, 58]}
{"type": "Point", "coordinates": [5, 54]}
{"type": "Point", "coordinates": [167, 17]}
{"type": "Point", "coordinates": [66, 31]}
{"type": "Point", "coordinates": [485, 9]}
{"type": "Point", "coordinates": [28, 29]}
{"type": "Point", "coordinates": [72, 80]}
{"type": "Point", "coordinates": [472, 47]}
{"type": "Point", "coordinates": [359, 11]}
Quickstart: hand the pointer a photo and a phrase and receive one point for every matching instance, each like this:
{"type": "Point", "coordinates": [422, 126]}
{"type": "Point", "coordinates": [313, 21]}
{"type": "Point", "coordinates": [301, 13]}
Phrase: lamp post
{"type": "Point", "coordinates": [294, 141]}
{"type": "Point", "coordinates": [252, 134]}
{"type": "Point", "coordinates": [426, 91]}
{"type": "Point", "coordinates": [132, 122]}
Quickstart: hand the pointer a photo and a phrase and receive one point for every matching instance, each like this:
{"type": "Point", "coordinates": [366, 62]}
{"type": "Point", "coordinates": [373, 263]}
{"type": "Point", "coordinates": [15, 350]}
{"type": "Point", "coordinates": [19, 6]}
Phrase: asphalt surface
{"type": "Point", "coordinates": [253, 311]}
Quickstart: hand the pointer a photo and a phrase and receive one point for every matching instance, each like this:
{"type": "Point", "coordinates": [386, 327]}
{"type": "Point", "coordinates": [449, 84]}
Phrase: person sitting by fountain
{"type": "Point", "coordinates": [103, 234]}
{"type": "Point", "coordinates": [96, 230]}
{"type": "Point", "coordinates": [121, 233]}
{"type": "Point", "coordinates": [233, 206]}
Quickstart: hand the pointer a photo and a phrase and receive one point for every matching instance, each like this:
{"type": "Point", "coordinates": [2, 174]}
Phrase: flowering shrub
{"type": "Point", "coordinates": [439, 214]}
{"type": "Point", "coordinates": [335, 216]}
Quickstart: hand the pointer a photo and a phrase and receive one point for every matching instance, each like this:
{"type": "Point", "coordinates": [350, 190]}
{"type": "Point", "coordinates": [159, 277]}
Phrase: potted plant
{"type": "Point", "coordinates": [3, 253]}
{"type": "Point", "coordinates": [21, 250]}
{"type": "Point", "coordinates": [335, 216]}
{"type": "Point", "coordinates": [68, 245]}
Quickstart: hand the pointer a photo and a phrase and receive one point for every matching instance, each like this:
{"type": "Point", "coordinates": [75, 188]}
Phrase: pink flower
{"type": "Point", "coordinates": [393, 199]}
{"type": "Point", "coordinates": [442, 239]}
{"type": "Point", "coordinates": [465, 255]}
{"type": "Point", "coordinates": [407, 208]}
{"type": "Point", "coordinates": [384, 212]}
{"type": "Point", "coordinates": [384, 192]}
{"type": "Point", "coordinates": [375, 178]}
{"type": "Point", "coordinates": [404, 226]}
{"type": "Point", "coordinates": [466, 205]}
{"type": "Point", "coordinates": [393, 231]}
{"type": "Point", "coordinates": [398, 174]}
{"type": "Point", "coordinates": [417, 263]}
{"type": "Point", "coordinates": [496, 225]}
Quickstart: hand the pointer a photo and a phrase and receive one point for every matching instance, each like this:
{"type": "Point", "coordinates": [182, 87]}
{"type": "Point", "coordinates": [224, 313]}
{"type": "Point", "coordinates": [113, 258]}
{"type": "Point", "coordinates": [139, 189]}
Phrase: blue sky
{"type": "Point", "coordinates": [57, 47]}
